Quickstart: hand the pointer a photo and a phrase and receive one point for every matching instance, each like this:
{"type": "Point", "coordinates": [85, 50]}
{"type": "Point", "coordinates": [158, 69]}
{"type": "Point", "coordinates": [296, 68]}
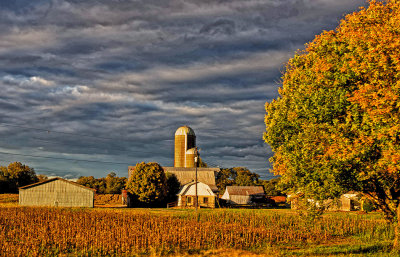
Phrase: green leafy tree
{"type": "Point", "coordinates": [336, 125]}
{"type": "Point", "coordinates": [244, 177]}
{"type": "Point", "coordinates": [236, 176]}
{"type": "Point", "coordinates": [114, 184]}
{"type": "Point", "coordinates": [224, 178]}
{"type": "Point", "coordinates": [271, 187]}
{"type": "Point", "coordinates": [16, 175]}
{"type": "Point", "coordinates": [42, 177]}
{"type": "Point", "coordinates": [173, 186]}
{"type": "Point", "coordinates": [148, 184]}
{"type": "Point", "coordinates": [202, 164]}
{"type": "Point", "coordinates": [111, 184]}
{"type": "Point", "coordinates": [87, 181]}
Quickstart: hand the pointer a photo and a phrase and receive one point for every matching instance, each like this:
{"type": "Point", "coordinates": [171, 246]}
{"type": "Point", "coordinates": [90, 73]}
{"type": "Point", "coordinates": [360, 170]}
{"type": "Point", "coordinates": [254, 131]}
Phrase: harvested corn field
{"type": "Point", "coordinates": [99, 232]}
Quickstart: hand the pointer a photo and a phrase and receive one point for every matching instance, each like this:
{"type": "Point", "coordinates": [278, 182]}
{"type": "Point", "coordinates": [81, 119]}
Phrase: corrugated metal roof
{"type": "Point", "coordinates": [53, 179]}
{"type": "Point", "coordinates": [245, 190]}
{"type": "Point", "coordinates": [187, 175]}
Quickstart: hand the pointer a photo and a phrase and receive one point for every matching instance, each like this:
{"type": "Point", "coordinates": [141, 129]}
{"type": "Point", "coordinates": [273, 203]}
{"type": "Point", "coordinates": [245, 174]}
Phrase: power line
{"type": "Point", "coordinates": [52, 131]}
{"type": "Point", "coordinates": [60, 158]}
{"type": "Point", "coordinates": [68, 133]}
{"type": "Point", "coordinates": [91, 147]}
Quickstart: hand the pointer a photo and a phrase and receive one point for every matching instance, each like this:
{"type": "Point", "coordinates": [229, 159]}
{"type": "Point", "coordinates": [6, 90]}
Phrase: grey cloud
{"type": "Point", "coordinates": [221, 26]}
{"type": "Point", "coordinates": [134, 71]}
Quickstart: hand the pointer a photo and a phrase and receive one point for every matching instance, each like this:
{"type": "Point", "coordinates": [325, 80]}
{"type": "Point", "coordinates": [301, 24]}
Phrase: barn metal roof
{"type": "Point", "coordinates": [54, 179]}
{"type": "Point", "coordinates": [187, 175]}
{"type": "Point", "coordinates": [245, 190]}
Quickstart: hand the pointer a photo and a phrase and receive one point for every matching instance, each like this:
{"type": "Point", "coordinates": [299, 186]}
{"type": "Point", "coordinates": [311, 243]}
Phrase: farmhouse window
{"type": "Point", "coordinates": [205, 200]}
{"type": "Point", "coordinates": [189, 199]}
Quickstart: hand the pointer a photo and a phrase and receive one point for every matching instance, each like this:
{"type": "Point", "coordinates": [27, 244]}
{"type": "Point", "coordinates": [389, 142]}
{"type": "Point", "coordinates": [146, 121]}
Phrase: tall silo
{"type": "Point", "coordinates": [185, 139]}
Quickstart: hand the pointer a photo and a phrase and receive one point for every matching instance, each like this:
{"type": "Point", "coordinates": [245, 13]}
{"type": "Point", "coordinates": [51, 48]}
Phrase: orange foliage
{"type": "Point", "coordinates": [336, 124]}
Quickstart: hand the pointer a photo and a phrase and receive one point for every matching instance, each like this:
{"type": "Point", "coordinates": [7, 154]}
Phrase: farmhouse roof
{"type": "Point", "coordinates": [54, 179]}
{"type": "Point", "coordinates": [245, 190]}
{"type": "Point", "coordinates": [186, 187]}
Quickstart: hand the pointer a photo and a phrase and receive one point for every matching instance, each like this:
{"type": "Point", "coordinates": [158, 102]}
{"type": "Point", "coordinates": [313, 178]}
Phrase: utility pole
{"type": "Point", "coordinates": [196, 199]}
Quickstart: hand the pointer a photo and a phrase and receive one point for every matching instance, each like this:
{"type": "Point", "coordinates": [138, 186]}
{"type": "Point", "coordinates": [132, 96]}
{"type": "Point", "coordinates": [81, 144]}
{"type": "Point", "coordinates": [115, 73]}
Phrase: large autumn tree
{"type": "Point", "coordinates": [147, 184]}
{"type": "Point", "coordinates": [336, 124]}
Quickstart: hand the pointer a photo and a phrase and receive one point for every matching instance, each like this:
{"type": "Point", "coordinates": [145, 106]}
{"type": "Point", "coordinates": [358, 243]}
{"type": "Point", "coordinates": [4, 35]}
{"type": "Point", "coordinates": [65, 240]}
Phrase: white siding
{"type": "Point", "coordinates": [240, 199]}
{"type": "Point", "coordinates": [56, 193]}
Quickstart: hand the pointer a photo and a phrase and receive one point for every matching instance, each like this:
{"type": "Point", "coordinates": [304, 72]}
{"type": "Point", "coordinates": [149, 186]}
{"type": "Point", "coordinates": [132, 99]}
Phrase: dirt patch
{"type": "Point", "coordinates": [224, 253]}
{"type": "Point", "coordinates": [9, 198]}
{"type": "Point", "coordinates": [107, 200]}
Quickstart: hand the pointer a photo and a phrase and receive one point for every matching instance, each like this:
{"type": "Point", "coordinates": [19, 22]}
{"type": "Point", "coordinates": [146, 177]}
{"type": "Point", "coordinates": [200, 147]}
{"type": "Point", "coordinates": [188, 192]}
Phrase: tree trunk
{"type": "Point", "coordinates": [396, 243]}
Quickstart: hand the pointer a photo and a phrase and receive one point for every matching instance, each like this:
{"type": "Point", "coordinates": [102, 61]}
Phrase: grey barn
{"type": "Point", "coordinates": [56, 192]}
{"type": "Point", "coordinates": [243, 194]}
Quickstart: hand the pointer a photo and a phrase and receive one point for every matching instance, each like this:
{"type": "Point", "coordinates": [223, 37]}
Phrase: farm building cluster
{"type": "Point", "coordinates": [194, 181]}
{"type": "Point", "coordinates": [186, 172]}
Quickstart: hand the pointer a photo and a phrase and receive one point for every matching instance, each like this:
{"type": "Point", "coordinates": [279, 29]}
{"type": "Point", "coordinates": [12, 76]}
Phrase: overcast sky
{"type": "Point", "coordinates": [97, 85]}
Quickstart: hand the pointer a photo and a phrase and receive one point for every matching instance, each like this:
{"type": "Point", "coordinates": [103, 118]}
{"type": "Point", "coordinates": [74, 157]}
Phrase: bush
{"type": "Point", "coordinates": [368, 205]}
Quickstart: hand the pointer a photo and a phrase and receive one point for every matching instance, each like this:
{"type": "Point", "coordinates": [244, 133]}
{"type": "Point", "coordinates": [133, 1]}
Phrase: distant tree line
{"type": "Point", "coordinates": [16, 175]}
{"type": "Point", "coordinates": [111, 184]}
{"type": "Point", "coordinates": [148, 186]}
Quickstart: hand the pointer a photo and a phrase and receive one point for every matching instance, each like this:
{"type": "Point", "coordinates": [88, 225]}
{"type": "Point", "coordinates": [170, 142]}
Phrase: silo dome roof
{"type": "Point", "coordinates": [184, 130]}
{"type": "Point", "coordinates": [191, 151]}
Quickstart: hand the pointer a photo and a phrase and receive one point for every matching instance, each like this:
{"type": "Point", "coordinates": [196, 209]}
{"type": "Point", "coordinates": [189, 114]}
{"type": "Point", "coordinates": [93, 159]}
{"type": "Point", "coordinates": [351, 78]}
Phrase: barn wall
{"type": "Point", "coordinates": [345, 204]}
{"type": "Point", "coordinates": [206, 197]}
{"type": "Point", "coordinates": [240, 199]}
{"type": "Point", "coordinates": [56, 193]}
{"type": "Point", "coordinates": [184, 202]}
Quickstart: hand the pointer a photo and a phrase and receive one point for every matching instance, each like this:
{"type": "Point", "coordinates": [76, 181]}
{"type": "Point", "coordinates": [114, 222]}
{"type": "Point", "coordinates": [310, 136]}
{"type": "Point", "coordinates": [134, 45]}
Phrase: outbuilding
{"type": "Point", "coordinates": [56, 192]}
{"type": "Point", "coordinates": [350, 201]}
{"type": "Point", "coordinates": [205, 194]}
{"type": "Point", "coordinates": [243, 194]}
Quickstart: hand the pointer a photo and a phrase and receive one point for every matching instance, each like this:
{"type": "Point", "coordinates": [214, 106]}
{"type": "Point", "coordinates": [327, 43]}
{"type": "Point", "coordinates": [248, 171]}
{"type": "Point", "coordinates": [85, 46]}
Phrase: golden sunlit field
{"type": "Point", "coordinates": [30, 231]}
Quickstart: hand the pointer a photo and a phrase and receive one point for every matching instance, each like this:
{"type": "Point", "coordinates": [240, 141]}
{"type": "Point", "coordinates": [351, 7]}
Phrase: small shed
{"type": "Point", "coordinates": [243, 194]}
{"type": "Point", "coordinates": [206, 196]}
{"type": "Point", "coordinates": [350, 201]}
{"type": "Point", "coordinates": [56, 192]}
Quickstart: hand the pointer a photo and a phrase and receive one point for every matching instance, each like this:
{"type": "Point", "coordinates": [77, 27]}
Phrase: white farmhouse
{"type": "Point", "coordinates": [206, 195]}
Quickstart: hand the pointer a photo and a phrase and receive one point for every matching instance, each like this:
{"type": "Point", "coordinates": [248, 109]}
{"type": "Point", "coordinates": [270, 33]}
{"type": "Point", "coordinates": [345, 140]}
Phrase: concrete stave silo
{"type": "Point", "coordinates": [185, 142]}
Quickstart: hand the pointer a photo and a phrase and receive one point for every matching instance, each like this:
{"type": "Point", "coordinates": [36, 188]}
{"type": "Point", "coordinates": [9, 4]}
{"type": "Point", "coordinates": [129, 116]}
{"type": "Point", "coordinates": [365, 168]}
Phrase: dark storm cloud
{"type": "Point", "coordinates": [120, 76]}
